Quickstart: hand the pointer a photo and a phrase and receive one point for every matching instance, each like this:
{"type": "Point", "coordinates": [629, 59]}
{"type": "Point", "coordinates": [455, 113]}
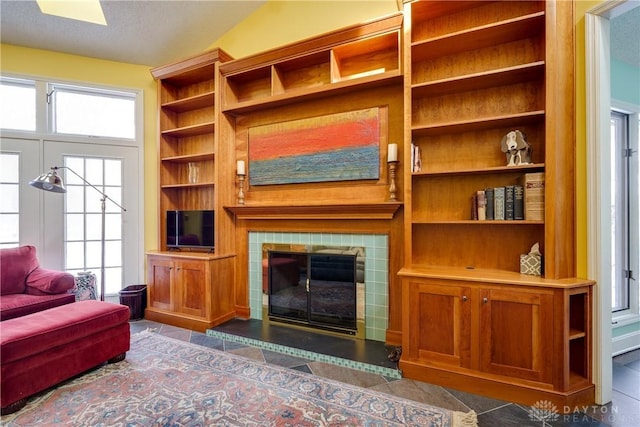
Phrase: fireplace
{"type": "Point", "coordinates": [316, 289]}
{"type": "Point", "coordinates": [315, 286]}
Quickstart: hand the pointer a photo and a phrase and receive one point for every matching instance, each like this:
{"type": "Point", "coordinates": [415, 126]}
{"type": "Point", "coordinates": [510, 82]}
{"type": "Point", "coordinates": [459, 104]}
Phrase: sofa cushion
{"type": "Point", "coordinates": [17, 305]}
{"type": "Point", "coordinates": [48, 329]}
{"type": "Point", "coordinates": [43, 282]}
{"type": "Point", "coordinates": [15, 266]}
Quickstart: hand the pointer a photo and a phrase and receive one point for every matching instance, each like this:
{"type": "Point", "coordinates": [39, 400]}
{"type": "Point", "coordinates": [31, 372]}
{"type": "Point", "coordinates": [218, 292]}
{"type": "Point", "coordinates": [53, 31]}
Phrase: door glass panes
{"type": "Point", "coordinates": [17, 104]}
{"type": "Point", "coordinates": [9, 200]}
{"type": "Point", "coordinates": [619, 212]}
{"type": "Point", "coordinates": [83, 218]}
{"type": "Point", "coordinates": [80, 111]}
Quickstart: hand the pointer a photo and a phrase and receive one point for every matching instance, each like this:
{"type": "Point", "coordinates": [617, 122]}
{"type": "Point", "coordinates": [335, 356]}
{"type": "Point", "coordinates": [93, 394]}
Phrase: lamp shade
{"type": "Point", "coordinates": [49, 182]}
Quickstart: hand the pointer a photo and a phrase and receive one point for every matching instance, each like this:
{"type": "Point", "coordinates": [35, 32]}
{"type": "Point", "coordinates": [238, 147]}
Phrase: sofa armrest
{"type": "Point", "coordinates": [45, 282]}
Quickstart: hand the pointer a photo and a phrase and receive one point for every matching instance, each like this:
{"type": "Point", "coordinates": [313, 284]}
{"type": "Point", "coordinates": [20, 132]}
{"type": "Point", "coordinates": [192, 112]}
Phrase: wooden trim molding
{"type": "Point", "coordinates": [385, 210]}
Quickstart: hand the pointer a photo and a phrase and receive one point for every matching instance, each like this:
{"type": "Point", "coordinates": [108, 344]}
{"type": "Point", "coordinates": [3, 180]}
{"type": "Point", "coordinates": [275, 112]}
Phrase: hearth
{"type": "Point", "coordinates": [315, 286]}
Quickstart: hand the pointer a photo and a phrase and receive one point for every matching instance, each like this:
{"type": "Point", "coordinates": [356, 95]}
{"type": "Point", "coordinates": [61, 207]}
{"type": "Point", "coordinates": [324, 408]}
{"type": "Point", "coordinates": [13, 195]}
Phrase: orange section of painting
{"type": "Point", "coordinates": [308, 136]}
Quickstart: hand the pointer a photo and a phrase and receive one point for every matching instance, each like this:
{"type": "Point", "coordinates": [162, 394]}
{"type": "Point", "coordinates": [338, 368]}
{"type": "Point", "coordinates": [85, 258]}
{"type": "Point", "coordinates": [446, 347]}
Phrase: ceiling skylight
{"type": "Point", "coordinates": [81, 10]}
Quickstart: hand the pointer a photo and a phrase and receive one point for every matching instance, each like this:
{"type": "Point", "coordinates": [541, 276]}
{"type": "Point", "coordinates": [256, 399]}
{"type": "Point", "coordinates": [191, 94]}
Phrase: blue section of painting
{"type": "Point", "coordinates": [339, 165]}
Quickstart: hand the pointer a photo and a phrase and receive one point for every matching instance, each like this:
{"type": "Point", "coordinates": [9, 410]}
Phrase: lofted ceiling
{"type": "Point", "coordinates": [154, 32]}
{"type": "Point", "coordinates": [138, 32]}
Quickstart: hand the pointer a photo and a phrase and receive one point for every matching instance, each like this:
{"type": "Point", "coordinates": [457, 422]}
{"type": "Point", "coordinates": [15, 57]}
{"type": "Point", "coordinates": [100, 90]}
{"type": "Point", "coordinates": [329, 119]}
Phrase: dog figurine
{"type": "Point", "coordinates": [517, 150]}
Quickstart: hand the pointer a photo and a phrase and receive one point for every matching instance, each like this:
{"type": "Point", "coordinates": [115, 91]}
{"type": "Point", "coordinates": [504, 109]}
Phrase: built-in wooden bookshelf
{"type": "Point", "coordinates": [187, 116]}
{"type": "Point", "coordinates": [346, 61]}
{"type": "Point", "coordinates": [473, 72]}
{"type": "Point", "coordinates": [191, 289]}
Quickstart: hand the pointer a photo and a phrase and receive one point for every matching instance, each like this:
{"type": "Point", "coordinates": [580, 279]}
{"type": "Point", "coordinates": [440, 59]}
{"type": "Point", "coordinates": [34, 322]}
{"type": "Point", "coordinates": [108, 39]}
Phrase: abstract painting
{"type": "Point", "coordinates": [335, 147]}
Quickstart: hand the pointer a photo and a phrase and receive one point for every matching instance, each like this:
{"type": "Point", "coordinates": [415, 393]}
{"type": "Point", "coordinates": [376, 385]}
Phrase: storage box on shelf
{"type": "Point", "coordinates": [473, 72]}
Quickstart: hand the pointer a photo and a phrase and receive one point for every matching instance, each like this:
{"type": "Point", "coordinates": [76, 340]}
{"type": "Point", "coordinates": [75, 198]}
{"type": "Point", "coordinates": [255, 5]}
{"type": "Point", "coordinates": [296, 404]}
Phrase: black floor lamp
{"type": "Point", "coordinates": [51, 181]}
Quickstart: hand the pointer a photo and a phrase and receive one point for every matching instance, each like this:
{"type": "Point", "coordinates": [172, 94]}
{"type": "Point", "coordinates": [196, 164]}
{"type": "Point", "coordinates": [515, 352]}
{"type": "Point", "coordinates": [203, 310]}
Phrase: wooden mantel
{"type": "Point", "coordinates": [385, 210]}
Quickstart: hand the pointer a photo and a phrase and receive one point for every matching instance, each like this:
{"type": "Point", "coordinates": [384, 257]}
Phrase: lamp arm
{"type": "Point", "coordinates": [89, 184]}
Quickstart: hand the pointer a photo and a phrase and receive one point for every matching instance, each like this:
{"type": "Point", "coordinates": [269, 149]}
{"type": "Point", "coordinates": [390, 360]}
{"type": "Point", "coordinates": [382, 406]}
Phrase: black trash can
{"type": "Point", "coordinates": [135, 297]}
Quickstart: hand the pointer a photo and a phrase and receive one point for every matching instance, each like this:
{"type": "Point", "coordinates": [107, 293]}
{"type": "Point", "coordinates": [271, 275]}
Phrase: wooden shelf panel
{"type": "Point", "coordinates": [575, 334]}
{"type": "Point", "coordinates": [196, 185]}
{"type": "Point", "coordinates": [477, 222]}
{"type": "Point", "coordinates": [191, 103]}
{"type": "Point", "coordinates": [199, 157]}
{"type": "Point", "coordinates": [338, 212]}
{"type": "Point", "coordinates": [479, 37]}
{"type": "Point", "coordinates": [535, 167]}
{"type": "Point", "coordinates": [499, 77]}
{"type": "Point", "coordinates": [507, 120]}
{"type": "Point", "coordinates": [305, 94]}
{"type": "Point", "coordinates": [193, 130]}
{"type": "Point", "coordinates": [490, 276]}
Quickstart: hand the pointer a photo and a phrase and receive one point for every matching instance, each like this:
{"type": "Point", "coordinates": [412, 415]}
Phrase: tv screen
{"type": "Point", "coordinates": [190, 229]}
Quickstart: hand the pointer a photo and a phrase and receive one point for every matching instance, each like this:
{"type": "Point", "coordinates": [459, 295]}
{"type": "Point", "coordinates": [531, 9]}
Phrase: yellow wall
{"type": "Point", "coordinates": [44, 64]}
{"type": "Point", "coordinates": [581, 8]}
{"type": "Point", "coordinates": [278, 23]}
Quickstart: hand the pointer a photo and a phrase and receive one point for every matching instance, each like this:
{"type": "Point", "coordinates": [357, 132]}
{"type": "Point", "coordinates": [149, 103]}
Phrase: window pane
{"type": "Point", "coordinates": [9, 164]}
{"type": "Point", "coordinates": [17, 105]}
{"type": "Point", "coordinates": [9, 229]}
{"type": "Point", "coordinates": [9, 199]}
{"type": "Point", "coordinates": [75, 227]}
{"type": "Point", "coordinates": [80, 111]}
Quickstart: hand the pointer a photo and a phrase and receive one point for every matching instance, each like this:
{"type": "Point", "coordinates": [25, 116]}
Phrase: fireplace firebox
{"type": "Point", "coordinates": [314, 289]}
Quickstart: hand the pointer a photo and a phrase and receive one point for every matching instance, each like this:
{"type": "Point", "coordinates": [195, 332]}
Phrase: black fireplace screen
{"type": "Point", "coordinates": [314, 289]}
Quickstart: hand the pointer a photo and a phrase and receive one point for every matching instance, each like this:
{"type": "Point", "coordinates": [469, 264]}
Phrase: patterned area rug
{"type": "Point", "coordinates": [166, 382]}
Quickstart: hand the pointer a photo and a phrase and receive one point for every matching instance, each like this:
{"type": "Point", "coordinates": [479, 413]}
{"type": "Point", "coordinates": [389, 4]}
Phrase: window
{"type": "Point", "coordinates": [624, 224]}
{"type": "Point", "coordinates": [9, 194]}
{"type": "Point", "coordinates": [18, 104]}
{"type": "Point", "coordinates": [89, 112]}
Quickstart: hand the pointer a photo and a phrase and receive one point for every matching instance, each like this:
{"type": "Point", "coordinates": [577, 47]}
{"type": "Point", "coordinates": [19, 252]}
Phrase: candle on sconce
{"type": "Point", "coordinates": [392, 153]}
{"type": "Point", "coordinates": [240, 167]}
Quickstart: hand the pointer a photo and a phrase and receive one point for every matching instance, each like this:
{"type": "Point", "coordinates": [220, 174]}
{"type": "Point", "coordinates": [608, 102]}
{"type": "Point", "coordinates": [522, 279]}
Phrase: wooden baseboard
{"type": "Point", "coordinates": [565, 402]}
{"type": "Point", "coordinates": [182, 321]}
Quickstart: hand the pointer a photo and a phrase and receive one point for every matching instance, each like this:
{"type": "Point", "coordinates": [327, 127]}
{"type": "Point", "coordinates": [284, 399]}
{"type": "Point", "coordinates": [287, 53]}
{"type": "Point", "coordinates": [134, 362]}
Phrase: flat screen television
{"type": "Point", "coordinates": [190, 229]}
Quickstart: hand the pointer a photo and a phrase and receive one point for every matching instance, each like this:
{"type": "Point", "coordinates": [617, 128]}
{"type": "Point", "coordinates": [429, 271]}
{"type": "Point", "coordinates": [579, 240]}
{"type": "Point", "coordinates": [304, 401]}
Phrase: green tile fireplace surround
{"type": "Point", "coordinates": [376, 249]}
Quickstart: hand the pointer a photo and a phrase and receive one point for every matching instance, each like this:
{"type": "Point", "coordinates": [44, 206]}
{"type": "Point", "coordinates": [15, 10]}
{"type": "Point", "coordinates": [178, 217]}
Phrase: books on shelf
{"type": "Point", "coordinates": [488, 194]}
{"type": "Point", "coordinates": [509, 202]}
{"type": "Point", "coordinates": [499, 203]}
{"type": "Point", "coordinates": [416, 158]}
{"type": "Point", "coordinates": [481, 203]}
{"type": "Point", "coordinates": [533, 185]}
{"type": "Point", "coordinates": [518, 202]}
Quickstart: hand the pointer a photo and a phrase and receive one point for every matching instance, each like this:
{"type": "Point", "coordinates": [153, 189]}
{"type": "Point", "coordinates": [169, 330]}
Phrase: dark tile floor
{"type": "Point", "coordinates": [624, 411]}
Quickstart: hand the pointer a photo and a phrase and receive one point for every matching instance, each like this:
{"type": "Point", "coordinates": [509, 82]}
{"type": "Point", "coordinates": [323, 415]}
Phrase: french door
{"type": "Point", "coordinates": [72, 236]}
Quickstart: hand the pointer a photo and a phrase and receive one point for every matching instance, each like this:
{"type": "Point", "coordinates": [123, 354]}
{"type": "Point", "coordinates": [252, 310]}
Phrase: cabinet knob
{"type": "Point", "coordinates": [464, 298]}
{"type": "Point", "coordinates": [485, 300]}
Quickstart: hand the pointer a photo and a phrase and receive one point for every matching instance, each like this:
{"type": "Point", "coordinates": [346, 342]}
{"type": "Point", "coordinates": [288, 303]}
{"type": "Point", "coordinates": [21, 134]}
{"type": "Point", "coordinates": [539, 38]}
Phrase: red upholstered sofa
{"type": "Point", "coordinates": [26, 288]}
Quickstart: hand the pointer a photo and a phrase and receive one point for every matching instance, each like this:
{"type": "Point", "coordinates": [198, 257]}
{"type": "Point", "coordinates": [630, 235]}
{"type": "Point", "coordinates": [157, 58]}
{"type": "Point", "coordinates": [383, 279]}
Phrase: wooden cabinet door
{"type": "Point", "coordinates": [516, 333]}
{"type": "Point", "coordinates": [192, 279]}
{"type": "Point", "coordinates": [159, 272]}
{"type": "Point", "coordinates": [439, 323]}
